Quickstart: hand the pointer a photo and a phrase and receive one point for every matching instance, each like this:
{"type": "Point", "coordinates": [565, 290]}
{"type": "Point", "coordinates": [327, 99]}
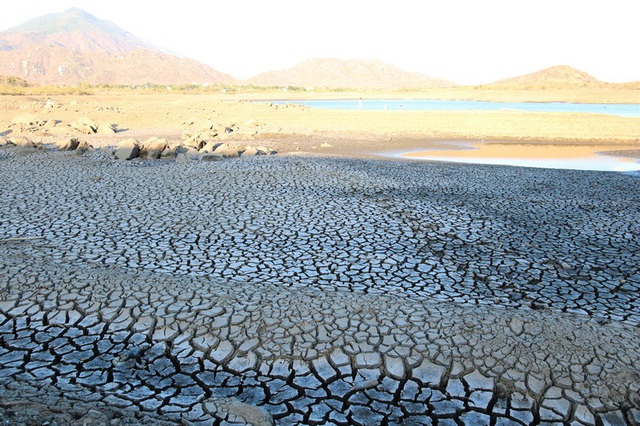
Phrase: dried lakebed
{"type": "Point", "coordinates": [307, 290]}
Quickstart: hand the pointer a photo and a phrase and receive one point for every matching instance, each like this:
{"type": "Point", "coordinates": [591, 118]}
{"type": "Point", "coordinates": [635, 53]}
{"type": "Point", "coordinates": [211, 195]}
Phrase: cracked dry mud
{"type": "Point", "coordinates": [298, 290]}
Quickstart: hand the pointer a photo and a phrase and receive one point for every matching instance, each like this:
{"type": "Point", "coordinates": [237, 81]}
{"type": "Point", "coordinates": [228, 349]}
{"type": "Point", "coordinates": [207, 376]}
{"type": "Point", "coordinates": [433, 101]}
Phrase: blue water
{"type": "Point", "coordinates": [623, 110]}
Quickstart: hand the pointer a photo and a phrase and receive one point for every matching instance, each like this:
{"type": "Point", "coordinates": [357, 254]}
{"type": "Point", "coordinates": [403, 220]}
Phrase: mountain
{"type": "Point", "coordinates": [557, 77]}
{"type": "Point", "coordinates": [76, 47]}
{"type": "Point", "coordinates": [346, 73]}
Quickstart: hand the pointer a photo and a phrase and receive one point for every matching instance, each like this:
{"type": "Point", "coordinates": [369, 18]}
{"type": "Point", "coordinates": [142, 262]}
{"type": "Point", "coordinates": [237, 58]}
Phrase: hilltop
{"type": "Point", "coordinates": [556, 77]}
{"type": "Point", "coordinates": [76, 47]}
{"type": "Point", "coordinates": [347, 73]}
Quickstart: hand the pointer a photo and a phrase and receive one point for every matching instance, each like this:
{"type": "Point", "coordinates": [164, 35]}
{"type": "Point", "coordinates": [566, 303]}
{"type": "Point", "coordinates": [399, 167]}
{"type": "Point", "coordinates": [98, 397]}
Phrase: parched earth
{"type": "Point", "coordinates": [299, 290]}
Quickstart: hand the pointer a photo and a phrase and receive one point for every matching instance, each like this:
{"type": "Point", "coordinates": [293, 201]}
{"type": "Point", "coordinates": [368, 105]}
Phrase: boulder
{"type": "Point", "coordinates": [209, 147]}
{"type": "Point", "coordinates": [23, 141]}
{"type": "Point", "coordinates": [249, 151]}
{"type": "Point", "coordinates": [85, 125]}
{"type": "Point", "coordinates": [184, 153]}
{"type": "Point", "coordinates": [226, 150]}
{"type": "Point", "coordinates": [83, 147]}
{"type": "Point", "coordinates": [263, 150]}
{"type": "Point", "coordinates": [5, 142]}
{"type": "Point", "coordinates": [195, 142]}
{"type": "Point", "coordinates": [211, 157]}
{"type": "Point", "coordinates": [68, 144]}
{"type": "Point", "coordinates": [127, 149]}
{"type": "Point", "coordinates": [153, 148]}
{"type": "Point", "coordinates": [106, 129]}
{"type": "Point", "coordinates": [170, 151]}
{"type": "Point", "coordinates": [192, 153]}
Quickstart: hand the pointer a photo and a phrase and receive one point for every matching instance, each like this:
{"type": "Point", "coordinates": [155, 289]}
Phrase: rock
{"type": "Point", "coordinates": [85, 125]}
{"type": "Point", "coordinates": [58, 129]}
{"type": "Point", "coordinates": [212, 157]}
{"type": "Point", "coordinates": [5, 142]}
{"type": "Point", "coordinates": [169, 152]}
{"type": "Point", "coordinates": [194, 142]}
{"type": "Point", "coordinates": [209, 147]}
{"type": "Point", "coordinates": [153, 148]}
{"type": "Point", "coordinates": [68, 144]}
{"type": "Point", "coordinates": [106, 129]}
{"type": "Point", "coordinates": [24, 142]}
{"type": "Point", "coordinates": [325, 145]}
{"type": "Point", "coordinates": [262, 150]}
{"type": "Point", "coordinates": [83, 147]}
{"type": "Point", "coordinates": [50, 104]}
{"type": "Point", "coordinates": [127, 149]}
{"type": "Point", "coordinates": [250, 150]}
{"type": "Point", "coordinates": [226, 150]}
{"type": "Point", "coordinates": [25, 119]}
{"type": "Point", "coordinates": [188, 151]}
{"type": "Point", "coordinates": [184, 154]}
{"type": "Point", "coordinates": [208, 134]}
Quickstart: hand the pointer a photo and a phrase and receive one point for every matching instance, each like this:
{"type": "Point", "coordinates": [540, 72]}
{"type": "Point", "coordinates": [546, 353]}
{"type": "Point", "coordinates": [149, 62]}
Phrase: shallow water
{"type": "Point", "coordinates": [623, 110]}
{"type": "Point", "coordinates": [572, 157]}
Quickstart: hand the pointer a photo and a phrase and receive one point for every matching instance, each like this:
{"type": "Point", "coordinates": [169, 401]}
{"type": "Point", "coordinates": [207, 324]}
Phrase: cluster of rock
{"type": "Point", "coordinates": [207, 142]}
{"type": "Point", "coordinates": [198, 133]}
{"type": "Point", "coordinates": [28, 123]}
{"type": "Point", "coordinates": [67, 144]}
{"type": "Point", "coordinates": [156, 148]}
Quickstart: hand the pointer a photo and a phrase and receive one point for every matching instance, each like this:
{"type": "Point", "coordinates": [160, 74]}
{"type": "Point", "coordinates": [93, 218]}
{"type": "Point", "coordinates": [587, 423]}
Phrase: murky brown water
{"type": "Point", "coordinates": [579, 157]}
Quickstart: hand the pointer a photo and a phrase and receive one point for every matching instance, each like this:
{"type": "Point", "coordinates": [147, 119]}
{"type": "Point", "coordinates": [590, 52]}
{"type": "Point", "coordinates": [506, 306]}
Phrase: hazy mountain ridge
{"type": "Point", "coordinates": [556, 77]}
{"type": "Point", "coordinates": [330, 72]}
{"type": "Point", "coordinates": [76, 47]}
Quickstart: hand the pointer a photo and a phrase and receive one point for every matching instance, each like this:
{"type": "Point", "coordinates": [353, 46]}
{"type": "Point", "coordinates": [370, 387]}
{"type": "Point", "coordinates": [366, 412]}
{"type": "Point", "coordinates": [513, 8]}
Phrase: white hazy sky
{"type": "Point", "coordinates": [465, 41]}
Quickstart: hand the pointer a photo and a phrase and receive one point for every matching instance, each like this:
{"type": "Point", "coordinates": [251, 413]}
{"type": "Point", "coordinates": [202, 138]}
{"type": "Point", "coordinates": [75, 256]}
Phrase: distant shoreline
{"type": "Point", "coordinates": [295, 128]}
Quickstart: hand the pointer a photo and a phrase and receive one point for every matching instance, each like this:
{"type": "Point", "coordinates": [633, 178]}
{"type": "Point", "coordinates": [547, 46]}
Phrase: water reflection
{"type": "Point", "coordinates": [622, 158]}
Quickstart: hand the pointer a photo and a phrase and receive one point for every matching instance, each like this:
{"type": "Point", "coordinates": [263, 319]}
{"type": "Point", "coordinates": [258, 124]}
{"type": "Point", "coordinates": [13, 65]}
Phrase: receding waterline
{"type": "Point", "coordinates": [568, 157]}
{"type": "Point", "coordinates": [622, 110]}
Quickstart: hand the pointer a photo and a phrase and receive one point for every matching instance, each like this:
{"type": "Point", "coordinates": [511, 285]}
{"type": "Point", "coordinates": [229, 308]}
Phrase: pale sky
{"type": "Point", "coordinates": [465, 41]}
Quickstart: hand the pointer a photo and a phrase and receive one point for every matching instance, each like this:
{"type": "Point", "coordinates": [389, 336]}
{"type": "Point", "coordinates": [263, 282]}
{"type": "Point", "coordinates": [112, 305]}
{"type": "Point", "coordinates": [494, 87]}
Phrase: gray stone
{"type": "Point", "coordinates": [106, 129]}
{"type": "Point", "coordinates": [250, 151]}
{"type": "Point", "coordinates": [226, 150]}
{"type": "Point", "coordinates": [153, 148]}
{"type": "Point", "coordinates": [85, 125]}
{"type": "Point", "coordinates": [127, 149]}
{"type": "Point", "coordinates": [68, 144]}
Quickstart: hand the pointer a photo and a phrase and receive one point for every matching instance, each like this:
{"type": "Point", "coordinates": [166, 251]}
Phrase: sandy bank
{"type": "Point", "coordinates": [294, 128]}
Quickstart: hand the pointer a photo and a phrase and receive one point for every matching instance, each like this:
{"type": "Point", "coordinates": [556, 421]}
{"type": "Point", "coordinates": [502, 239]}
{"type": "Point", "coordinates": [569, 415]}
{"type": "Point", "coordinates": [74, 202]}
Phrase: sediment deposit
{"type": "Point", "coordinates": [317, 290]}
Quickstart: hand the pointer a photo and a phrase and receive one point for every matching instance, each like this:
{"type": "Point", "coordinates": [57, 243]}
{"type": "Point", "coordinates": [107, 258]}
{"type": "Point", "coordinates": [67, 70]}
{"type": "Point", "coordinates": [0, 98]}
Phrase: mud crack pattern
{"type": "Point", "coordinates": [307, 290]}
